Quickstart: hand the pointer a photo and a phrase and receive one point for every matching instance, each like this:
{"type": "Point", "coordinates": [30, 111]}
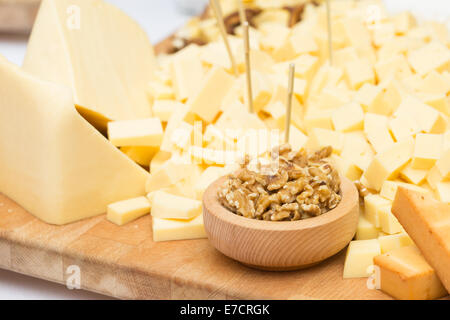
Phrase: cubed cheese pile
{"type": "Point", "coordinates": [383, 105]}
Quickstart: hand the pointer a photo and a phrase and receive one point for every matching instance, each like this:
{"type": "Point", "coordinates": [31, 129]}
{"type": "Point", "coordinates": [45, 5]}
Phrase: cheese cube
{"type": "Point", "coordinates": [433, 56]}
{"type": "Point", "coordinates": [349, 117]}
{"type": "Point", "coordinates": [406, 275]}
{"type": "Point", "coordinates": [186, 73]}
{"type": "Point", "coordinates": [208, 176]}
{"type": "Point", "coordinates": [435, 83]}
{"type": "Point", "coordinates": [297, 139]}
{"type": "Point", "coordinates": [170, 229]}
{"type": "Point", "coordinates": [377, 131]}
{"type": "Point", "coordinates": [443, 165]}
{"type": "Point", "coordinates": [163, 109]}
{"type": "Point", "coordinates": [170, 173]}
{"type": "Point", "coordinates": [389, 189]}
{"type": "Point", "coordinates": [158, 160]}
{"type": "Point", "coordinates": [169, 206]}
{"type": "Point", "coordinates": [366, 230]}
{"type": "Point", "coordinates": [303, 41]}
{"type": "Point", "coordinates": [278, 101]}
{"type": "Point", "coordinates": [305, 66]}
{"type": "Point", "coordinates": [360, 254]}
{"type": "Point", "coordinates": [404, 127]}
{"type": "Point", "coordinates": [261, 91]}
{"type": "Point", "coordinates": [174, 122]}
{"type": "Point", "coordinates": [346, 167]}
{"type": "Point", "coordinates": [207, 101]}
{"type": "Point", "coordinates": [326, 76]}
{"type": "Point", "coordinates": [427, 222]}
{"type": "Point", "coordinates": [125, 211]}
{"type": "Point", "coordinates": [391, 99]}
{"type": "Point", "coordinates": [388, 222]}
{"type": "Point", "coordinates": [357, 150]}
{"type": "Point", "coordinates": [317, 118]}
{"type": "Point", "coordinates": [359, 72]}
{"type": "Point", "coordinates": [404, 21]}
{"type": "Point", "coordinates": [320, 138]}
{"type": "Point", "coordinates": [140, 155]}
{"type": "Point", "coordinates": [427, 150]}
{"type": "Point", "coordinates": [140, 132]}
{"type": "Point", "coordinates": [394, 241]}
{"type": "Point", "coordinates": [387, 164]}
{"type": "Point", "coordinates": [395, 66]}
{"type": "Point", "coordinates": [443, 191]}
{"type": "Point", "coordinates": [440, 102]}
{"type": "Point", "coordinates": [370, 97]}
{"type": "Point", "coordinates": [411, 175]}
{"type": "Point", "coordinates": [372, 203]}
{"type": "Point", "coordinates": [159, 90]}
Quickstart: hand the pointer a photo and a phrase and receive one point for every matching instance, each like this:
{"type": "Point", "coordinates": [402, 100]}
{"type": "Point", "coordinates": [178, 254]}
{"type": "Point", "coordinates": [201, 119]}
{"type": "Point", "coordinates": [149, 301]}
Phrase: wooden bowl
{"type": "Point", "coordinates": [281, 245]}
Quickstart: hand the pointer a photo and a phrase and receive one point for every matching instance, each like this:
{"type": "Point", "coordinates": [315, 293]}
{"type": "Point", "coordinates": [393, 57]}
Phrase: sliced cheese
{"type": "Point", "coordinates": [126, 211]}
{"type": "Point", "coordinates": [171, 229]}
{"type": "Point", "coordinates": [169, 206]}
{"type": "Point", "coordinates": [140, 132]}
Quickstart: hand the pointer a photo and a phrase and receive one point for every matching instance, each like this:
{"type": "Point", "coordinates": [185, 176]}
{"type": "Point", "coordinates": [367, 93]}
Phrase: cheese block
{"type": "Point", "coordinates": [346, 167]}
{"type": "Point", "coordinates": [349, 117]}
{"type": "Point", "coordinates": [171, 229]}
{"type": "Point", "coordinates": [359, 72]}
{"type": "Point", "coordinates": [125, 211]}
{"type": "Point", "coordinates": [394, 241]}
{"type": "Point", "coordinates": [377, 131]}
{"type": "Point", "coordinates": [427, 221]}
{"type": "Point", "coordinates": [158, 160]}
{"type": "Point", "coordinates": [360, 254]}
{"type": "Point", "coordinates": [98, 51]}
{"type": "Point", "coordinates": [433, 56]}
{"type": "Point", "coordinates": [141, 155]}
{"type": "Point", "coordinates": [53, 161]}
{"type": "Point", "coordinates": [388, 222]}
{"type": "Point", "coordinates": [366, 230]}
{"type": "Point", "coordinates": [207, 101]}
{"type": "Point", "coordinates": [414, 176]}
{"type": "Point", "coordinates": [389, 163]}
{"type": "Point", "coordinates": [320, 138]}
{"type": "Point", "coordinates": [405, 274]}
{"type": "Point", "coordinates": [169, 206]}
{"type": "Point", "coordinates": [140, 132]}
{"type": "Point", "coordinates": [389, 189]}
{"type": "Point", "coordinates": [372, 204]}
{"type": "Point", "coordinates": [164, 108]}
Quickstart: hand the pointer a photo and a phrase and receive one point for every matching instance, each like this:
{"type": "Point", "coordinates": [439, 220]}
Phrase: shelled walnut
{"type": "Point", "coordinates": [301, 186]}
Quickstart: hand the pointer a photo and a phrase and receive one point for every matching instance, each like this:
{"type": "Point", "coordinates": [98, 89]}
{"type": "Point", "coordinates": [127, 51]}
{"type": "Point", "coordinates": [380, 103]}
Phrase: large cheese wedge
{"type": "Point", "coordinates": [53, 162]}
{"type": "Point", "coordinates": [405, 274]}
{"type": "Point", "coordinates": [427, 222]}
{"type": "Point", "coordinates": [96, 50]}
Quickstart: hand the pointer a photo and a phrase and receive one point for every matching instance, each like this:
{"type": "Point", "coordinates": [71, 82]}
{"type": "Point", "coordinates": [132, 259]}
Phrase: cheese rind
{"type": "Point", "coordinates": [125, 211]}
{"type": "Point", "coordinates": [406, 275]}
{"type": "Point", "coordinates": [169, 206]}
{"type": "Point", "coordinates": [170, 229]}
{"type": "Point", "coordinates": [427, 221]}
{"type": "Point", "coordinates": [53, 161]}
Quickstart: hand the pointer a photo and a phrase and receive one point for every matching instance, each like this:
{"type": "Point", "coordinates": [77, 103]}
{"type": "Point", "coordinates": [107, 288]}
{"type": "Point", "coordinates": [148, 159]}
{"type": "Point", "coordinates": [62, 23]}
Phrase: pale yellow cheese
{"type": "Point", "coordinates": [403, 127]}
{"type": "Point", "coordinates": [171, 229]}
{"type": "Point", "coordinates": [208, 176]}
{"type": "Point", "coordinates": [169, 206]}
{"type": "Point", "coordinates": [370, 97]}
{"type": "Point", "coordinates": [388, 222]}
{"type": "Point", "coordinates": [360, 254]}
{"type": "Point", "coordinates": [319, 138]}
{"type": "Point", "coordinates": [346, 167]}
{"type": "Point", "coordinates": [394, 241]}
{"type": "Point", "coordinates": [443, 191]}
{"type": "Point", "coordinates": [357, 150]}
{"type": "Point", "coordinates": [387, 164]}
{"type": "Point", "coordinates": [433, 56]}
{"type": "Point", "coordinates": [366, 230]}
{"type": "Point", "coordinates": [435, 83]}
{"type": "Point", "coordinates": [372, 204]}
{"type": "Point", "coordinates": [207, 101]}
{"type": "Point", "coordinates": [186, 73]}
{"type": "Point", "coordinates": [411, 175]}
{"type": "Point", "coordinates": [389, 189]}
{"type": "Point", "coordinates": [126, 211]}
{"type": "Point", "coordinates": [317, 118]}
{"type": "Point", "coordinates": [359, 72]}
{"type": "Point", "coordinates": [405, 274]}
{"type": "Point", "coordinates": [261, 91]}
{"type": "Point", "coordinates": [377, 131]}
{"type": "Point", "coordinates": [158, 160]}
{"type": "Point", "coordinates": [141, 132]}
{"type": "Point", "coordinates": [96, 50]}
{"type": "Point", "coordinates": [53, 161]}
{"type": "Point", "coordinates": [297, 138]}
{"type": "Point", "coordinates": [160, 91]}
{"type": "Point", "coordinates": [349, 117]}
{"type": "Point", "coordinates": [427, 150]}
{"type": "Point", "coordinates": [164, 108]}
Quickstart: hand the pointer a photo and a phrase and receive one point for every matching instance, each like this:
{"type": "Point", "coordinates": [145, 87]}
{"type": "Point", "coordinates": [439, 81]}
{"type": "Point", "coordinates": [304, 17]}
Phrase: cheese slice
{"type": "Point", "coordinates": [171, 229]}
{"type": "Point", "coordinates": [140, 132]}
{"type": "Point", "coordinates": [53, 161]}
{"type": "Point", "coordinates": [96, 50]}
{"type": "Point", "coordinates": [125, 211]}
{"type": "Point", "coordinates": [427, 222]}
{"type": "Point", "coordinates": [405, 274]}
{"type": "Point", "coordinates": [169, 206]}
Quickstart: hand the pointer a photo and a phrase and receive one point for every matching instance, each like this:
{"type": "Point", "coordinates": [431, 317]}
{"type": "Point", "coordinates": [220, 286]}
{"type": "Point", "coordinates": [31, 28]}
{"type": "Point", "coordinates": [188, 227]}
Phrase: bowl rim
{"type": "Point", "coordinates": [213, 207]}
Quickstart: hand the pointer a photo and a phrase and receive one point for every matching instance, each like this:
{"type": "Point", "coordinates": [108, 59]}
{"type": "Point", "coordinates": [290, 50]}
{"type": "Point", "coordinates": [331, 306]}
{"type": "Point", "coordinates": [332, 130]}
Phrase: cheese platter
{"type": "Point", "coordinates": [171, 142]}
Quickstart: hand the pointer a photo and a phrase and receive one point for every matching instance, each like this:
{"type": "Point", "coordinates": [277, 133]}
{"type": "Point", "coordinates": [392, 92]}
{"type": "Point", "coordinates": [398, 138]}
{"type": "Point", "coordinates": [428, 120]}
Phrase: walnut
{"type": "Point", "coordinates": [301, 187]}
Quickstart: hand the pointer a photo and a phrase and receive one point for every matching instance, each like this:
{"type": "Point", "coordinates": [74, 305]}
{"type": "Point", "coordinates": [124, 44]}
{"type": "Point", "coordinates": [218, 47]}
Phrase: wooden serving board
{"type": "Point", "coordinates": [17, 16]}
{"type": "Point", "coordinates": [124, 262]}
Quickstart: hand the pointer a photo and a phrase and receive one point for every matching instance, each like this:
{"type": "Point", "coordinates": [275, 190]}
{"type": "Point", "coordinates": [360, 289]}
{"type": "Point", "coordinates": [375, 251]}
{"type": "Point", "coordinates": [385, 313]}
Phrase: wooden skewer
{"type": "Point", "coordinates": [242, 15]}
{"type": "Point", "coordinates": [247, 67]}
{"type": "Point", "coordinates": [330, 35]}
{"type": "Point", "coordinates": [215, 5]}
{"type": "Point", "coordinates": [289, 101]}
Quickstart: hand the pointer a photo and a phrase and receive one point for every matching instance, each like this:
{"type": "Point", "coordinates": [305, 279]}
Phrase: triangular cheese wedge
{"type": "Point", "coordinates": [53, 162]}
{"type": "Point", "coordinates": [96, 50]}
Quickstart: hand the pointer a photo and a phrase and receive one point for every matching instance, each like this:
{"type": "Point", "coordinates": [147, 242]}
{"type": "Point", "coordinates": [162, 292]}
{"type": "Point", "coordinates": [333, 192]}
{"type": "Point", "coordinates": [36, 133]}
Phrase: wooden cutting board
{"type": "Point", "coordinates": [17, 16]}
{"type": "Point", "coordinates": [124, 262]}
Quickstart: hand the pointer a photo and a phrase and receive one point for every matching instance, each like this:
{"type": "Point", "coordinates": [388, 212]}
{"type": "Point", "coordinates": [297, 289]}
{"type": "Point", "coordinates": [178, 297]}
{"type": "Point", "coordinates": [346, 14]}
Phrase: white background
{"type": "Point", "coordinates": [159, 18]}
